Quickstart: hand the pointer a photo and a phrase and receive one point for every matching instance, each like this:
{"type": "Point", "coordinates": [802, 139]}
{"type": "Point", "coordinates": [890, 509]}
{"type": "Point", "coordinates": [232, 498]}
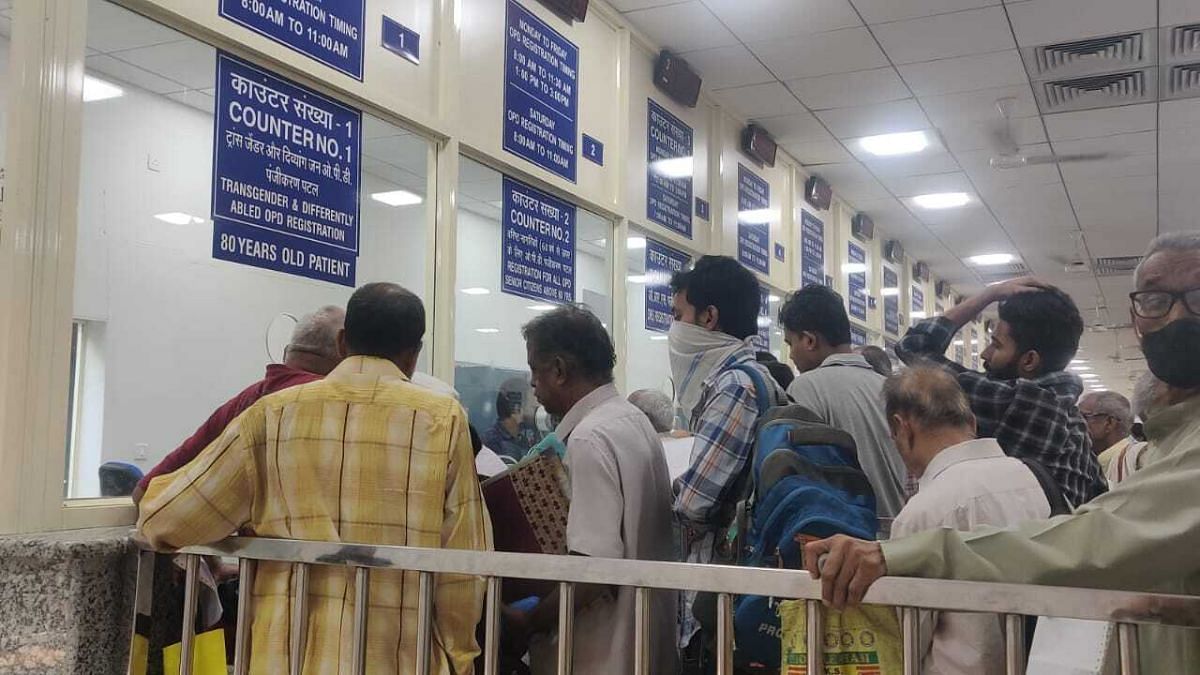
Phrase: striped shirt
{"type": "Point", "coordinates": [361, 457]}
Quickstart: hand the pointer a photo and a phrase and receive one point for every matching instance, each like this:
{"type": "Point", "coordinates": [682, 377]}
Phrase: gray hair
{"type": "Point", "coordinates": [1115, 406]}
{"type": "Point", "coordinates": [1171, 241]}
{"type": "Point", "coordinates": [317, 333]}
{"type": "Point", "coordinates": [657, 406]}
{"type": "Point", "coordinates": [930, 395]}
{"type": "Point", "coordinates": [1146, 392]}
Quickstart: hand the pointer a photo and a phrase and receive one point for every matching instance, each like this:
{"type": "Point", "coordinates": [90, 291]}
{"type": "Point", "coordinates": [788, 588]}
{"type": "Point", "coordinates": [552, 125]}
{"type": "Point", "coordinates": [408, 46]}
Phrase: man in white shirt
{"type": "Point", "coordinates": [620, 497]}
{"type": "Point", "coordinates": [964, 482]}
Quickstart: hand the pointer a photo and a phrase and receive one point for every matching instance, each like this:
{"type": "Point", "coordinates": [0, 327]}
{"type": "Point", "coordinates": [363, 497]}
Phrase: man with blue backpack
{"type": "Point", "coordinates": [718, 388]}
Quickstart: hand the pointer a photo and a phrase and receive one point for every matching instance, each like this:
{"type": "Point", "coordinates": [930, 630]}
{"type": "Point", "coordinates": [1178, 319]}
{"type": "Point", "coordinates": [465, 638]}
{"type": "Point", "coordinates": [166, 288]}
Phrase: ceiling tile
{"type": "Point", "coordinates": [965, 73]}
{"type": "Point", "coordinates": [724, 67]}
{"type": "Point", "coordinates": [1139, 143]}
{"type": "Point", "coordinates": [818, 152]}
{"type": "Point", "coordinates": [839, 51]}
{"type": "Point", "coordinates": [1178, 145]}
{"type": "Point", "coordinates": [1177, 211]}
{"type": "Point", "coordinates": [1039, 22]}
{"type": "Point", "coordinates": [979, 106]}
{"type": "Point", "coordinates": [1101, 122]}
{"type": "Point", "coordinates": [849, 89]}
{"type": "Point", "coordinates": [868, 120]}
{"type": "Point", "coordinates": [879, 11]}
{"type": "Point", "coordinates": [946, 36]}
{"type": "Point", "coordinates": [857, 193]}
{"type": "Point", "coordinates": [189, 62]}
{"type": "Point", "coordinates": [978, 135]}
{"type": "Point", "coordinates": [977, 164]}
{"type": "Point", "coordinates": [200, 100]}
{"type": "Point", "coordinates": [908, 186]}
{"type": "Point", "coordinates": [1075, 173]}
{"type": "Point", "coordinates": [112, 28]}
{"type": "Point", "coordinates": [1172, 12]}
{"type": "Point", "coordinates": [797, 127]}
{"type": "Point", "coordinates": [684, 27]}
{"type": "Point", "coordinates": [843, 172]}
{"type": "Point", "coordinates": [628, 5]}
{"type": "Point", "coordinates": [109, 68]}
{"type": "Point", "coordinates": [760, 100]}
{"type": "Point", "coordinates": [1178, 176]}
{"type": "Point", "coordinates": [756, 20]}
{"type": "Point", "coordinates": [912, 165]}
{"type": "Point", "coordinates": [1179, 114]}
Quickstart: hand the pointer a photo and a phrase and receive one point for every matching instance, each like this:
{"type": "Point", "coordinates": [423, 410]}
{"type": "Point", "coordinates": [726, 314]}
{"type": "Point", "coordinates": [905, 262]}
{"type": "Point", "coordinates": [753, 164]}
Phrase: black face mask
{"type": "Point", "coordinates": [1173, 353]}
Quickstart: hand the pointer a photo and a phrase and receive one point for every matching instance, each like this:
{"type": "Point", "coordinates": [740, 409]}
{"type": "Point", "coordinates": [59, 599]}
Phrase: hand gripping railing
{"type": "Point", "coordinates": [1010, 600]}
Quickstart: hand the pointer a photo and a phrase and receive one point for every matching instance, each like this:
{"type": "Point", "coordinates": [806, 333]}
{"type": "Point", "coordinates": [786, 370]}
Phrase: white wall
{"type": "Point", "coordinates": [184, 332]}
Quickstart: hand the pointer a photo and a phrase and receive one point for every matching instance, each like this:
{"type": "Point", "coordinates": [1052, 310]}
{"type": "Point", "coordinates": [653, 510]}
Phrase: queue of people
{"type": "Point", "coordinates": [343, 443]}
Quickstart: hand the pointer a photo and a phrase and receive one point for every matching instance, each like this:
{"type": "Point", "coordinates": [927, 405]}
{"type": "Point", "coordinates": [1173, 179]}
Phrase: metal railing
{"type": "Point", "coordinates": [1012, 601]}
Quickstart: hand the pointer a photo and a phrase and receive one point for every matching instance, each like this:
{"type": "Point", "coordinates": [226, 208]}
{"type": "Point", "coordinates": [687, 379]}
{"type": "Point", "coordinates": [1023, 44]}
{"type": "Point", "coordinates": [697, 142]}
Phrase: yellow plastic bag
{"type": "Point", "coordinates": [208, 659]}
{"type": "Point", "coordinates": [864, 640]}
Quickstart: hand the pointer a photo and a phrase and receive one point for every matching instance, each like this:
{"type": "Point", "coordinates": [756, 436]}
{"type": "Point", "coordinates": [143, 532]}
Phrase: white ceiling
{"type": "Point", "coordinates": [861, 67]}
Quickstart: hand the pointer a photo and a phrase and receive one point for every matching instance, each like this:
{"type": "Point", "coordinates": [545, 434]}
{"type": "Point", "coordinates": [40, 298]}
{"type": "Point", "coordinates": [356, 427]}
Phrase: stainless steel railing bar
{"type": "Point", "coordinates": [191, 598]}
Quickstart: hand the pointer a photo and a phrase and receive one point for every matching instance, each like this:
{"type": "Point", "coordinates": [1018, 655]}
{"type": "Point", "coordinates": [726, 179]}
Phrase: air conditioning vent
{"type": "Point", "coordinates": [1116, 266]}
{"type": "Point", "coordinates": [1117, 51]}
{"type": "Point", "coordinates": [997, 273]}
{"type": "Point", "coordinates": [1185, 41]}
{"type": "Point", "coordinates": [1098, 91]}
{"type": "Point", "coordinates": [1183, 80]}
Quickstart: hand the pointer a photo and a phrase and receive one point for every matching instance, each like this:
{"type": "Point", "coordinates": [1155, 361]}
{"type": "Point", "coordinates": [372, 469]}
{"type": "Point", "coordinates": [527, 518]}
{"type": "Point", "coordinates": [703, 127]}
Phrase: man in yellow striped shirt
{"type": "Point", "coordinates": [363, 456]}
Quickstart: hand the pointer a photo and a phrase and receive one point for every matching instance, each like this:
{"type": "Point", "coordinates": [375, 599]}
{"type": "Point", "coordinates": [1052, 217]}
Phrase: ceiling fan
{"type": "Point", "coordinates": [1008, 152]}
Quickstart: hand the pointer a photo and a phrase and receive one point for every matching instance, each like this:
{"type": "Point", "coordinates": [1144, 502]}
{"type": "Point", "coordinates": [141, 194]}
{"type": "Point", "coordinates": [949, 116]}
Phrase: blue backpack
{"type": "Point", "coordinates": [805, 479]}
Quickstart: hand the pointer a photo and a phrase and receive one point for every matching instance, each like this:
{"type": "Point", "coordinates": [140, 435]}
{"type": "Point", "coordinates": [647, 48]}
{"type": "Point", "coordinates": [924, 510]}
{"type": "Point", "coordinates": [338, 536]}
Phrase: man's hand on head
{"type": "Point", "coordinates": [846, 567]}
{"type": "Point", "coordinates": [1007, 289]}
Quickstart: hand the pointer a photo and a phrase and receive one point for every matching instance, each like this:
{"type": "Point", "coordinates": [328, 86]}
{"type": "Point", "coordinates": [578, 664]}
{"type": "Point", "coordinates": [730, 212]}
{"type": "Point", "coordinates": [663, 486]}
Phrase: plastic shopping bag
{"type": "Point", "coordinates": [863, 640]}
{"type": "Point", "coordinates": [208, 659]}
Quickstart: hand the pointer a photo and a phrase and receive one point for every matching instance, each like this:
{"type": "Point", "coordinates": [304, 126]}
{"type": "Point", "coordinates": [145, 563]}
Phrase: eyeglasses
{"type": "Point", "coordinates": [1091, 416]}
{"type": "Point", "coordinates": [1157, 304]}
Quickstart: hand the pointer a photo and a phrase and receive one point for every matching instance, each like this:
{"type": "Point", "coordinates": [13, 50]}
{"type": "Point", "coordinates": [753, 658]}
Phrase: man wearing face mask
{"type": "Point", "coordinates": [711, 341]}
{"type": "Point", "coordinates": [1026, 400]}
{"type": "Point", "coordinates": [1141, 536]}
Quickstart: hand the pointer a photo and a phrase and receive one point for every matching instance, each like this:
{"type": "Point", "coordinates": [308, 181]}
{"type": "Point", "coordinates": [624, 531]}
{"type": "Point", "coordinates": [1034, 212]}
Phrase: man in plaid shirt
{"type": "Point", "coordinates": [1026, 400]}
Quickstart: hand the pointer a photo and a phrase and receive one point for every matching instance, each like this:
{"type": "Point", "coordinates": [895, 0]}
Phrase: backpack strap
{"type": "Point", "coordinates": [765, 401]}
{"type": "Point", "coordinates": [1054, 494]}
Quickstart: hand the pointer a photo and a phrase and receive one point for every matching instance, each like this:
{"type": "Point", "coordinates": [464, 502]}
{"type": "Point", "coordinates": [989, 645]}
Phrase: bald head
{"type": "Point", "coordinates": [313, 346]}
{"type": "Point", "coordinates": [387, 321]}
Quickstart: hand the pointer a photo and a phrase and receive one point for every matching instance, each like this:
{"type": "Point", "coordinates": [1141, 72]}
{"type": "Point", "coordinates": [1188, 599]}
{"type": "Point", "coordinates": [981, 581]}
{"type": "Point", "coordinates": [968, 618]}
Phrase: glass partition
{"type": "Point", "coordinates": [165, 333]}
{"type": "Point", "coordinates": [648, 269]}
{"type": "Point", "coordinates": [490, 362]}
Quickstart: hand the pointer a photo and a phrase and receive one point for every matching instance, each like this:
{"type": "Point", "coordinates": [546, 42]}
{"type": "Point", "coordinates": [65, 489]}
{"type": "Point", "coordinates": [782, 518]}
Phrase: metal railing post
{"type": "Point", "coordinates": [187, 647]}
{"type": "Point", "coordinates": [1127, 645]}
{"type": "Point", "coordinates": [641, 635]}
{"type": "Point", "coordinates": [491, 634]}
{"type": "Point", "coordinates": [299, 618]}
{"type": "Point", "coordinates": [241, 634]}
{"type": "Point", "coordinates": [724, 634]}
{"type": "Point", "coordinates": [910, 626]}
{"type": "Point", "coordinates": [362, 603]}
{"type": "Point", "coordinates": [816, 630]}
{"type": "Point", "coordinates": [425, 623]}
{"type": "Point", "coordinates": [1014, 644]}
{"type": "Point", "coordinates": [566, 626]}
{"type": "Point", "coordinates": [143, 601]}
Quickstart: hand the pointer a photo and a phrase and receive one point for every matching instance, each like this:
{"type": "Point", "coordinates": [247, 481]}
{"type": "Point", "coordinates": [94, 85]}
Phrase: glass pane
{"type": "Point", "coordinates": [490, 362]}
{"type": "Point", "coordinates": [648, 364]}
{"type": "Point", "coordinates": [170, 333]}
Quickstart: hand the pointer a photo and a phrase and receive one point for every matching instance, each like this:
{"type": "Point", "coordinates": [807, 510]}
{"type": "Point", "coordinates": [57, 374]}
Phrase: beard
{"type": "Point", "coordinates": [1008, 372]}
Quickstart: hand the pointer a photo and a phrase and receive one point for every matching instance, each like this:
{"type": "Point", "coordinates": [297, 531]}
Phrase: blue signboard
{"type": "Point", "coordinates": [538, 245]}
{"type": "Point", "coordinates": [668, 170]}
{"type": "Point", "coordinates": [400, 39]}
{"type": "Point", "coordinates": [812, 249]}
{"type": "Point", "coordinates": [541, 92]}
{"type": "Point", "coordinates": [593, 150]}
{"type": "Point", "coordinates": [917, 311]}
{"type": "Point", "coordinates": [858, 336]}
{"type": "Point", "coordinates": [891, 301]}
{"type": "Point", "coordinates": [285, 175]}
{"type": "Point", "coordinates": [662, 262]}
{"type": "Point", "coordinates": [858, 283]}
{"type": "Point", "coordinates": [701, 209]}
{"type": "Point", "coordinates": [764, 319]}
{"type": "Point", "coordinates": [330, 31]}
{"type": "Point", "coordinates": [754, 225]}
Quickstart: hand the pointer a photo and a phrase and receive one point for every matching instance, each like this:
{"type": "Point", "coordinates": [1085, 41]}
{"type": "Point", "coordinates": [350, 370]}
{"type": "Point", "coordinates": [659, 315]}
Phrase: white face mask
{"type": "Point", "coordinates": [695, 353]}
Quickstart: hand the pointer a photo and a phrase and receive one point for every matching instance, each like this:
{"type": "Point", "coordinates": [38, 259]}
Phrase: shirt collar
{"type": "Point", "coordinates": [979, 448]}
{"type": "Point", "coordinates": [365, 365]}
{"type": "Point", "coordinates": [853, 360]}
{"type": "Point", "coordinates": [582, 408]}
{"type": "Point", "coordinates": [1166, 421]}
